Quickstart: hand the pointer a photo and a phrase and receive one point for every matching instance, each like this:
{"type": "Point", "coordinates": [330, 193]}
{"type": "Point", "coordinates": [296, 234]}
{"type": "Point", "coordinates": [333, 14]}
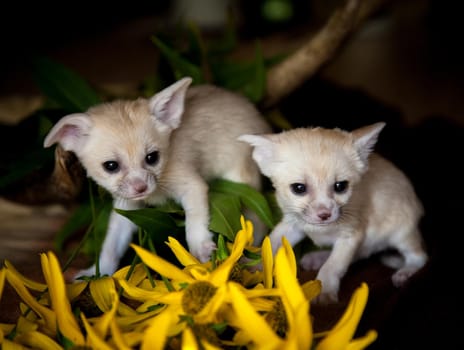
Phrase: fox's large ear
{"type": "Point", "coordinates": [70, 132]}
{"type": "Point", "coordinates": [263, 151]}
{"type": "Point", "coordinates": [366, 137]}
{"type": "Point", "coordinates": [167, 106]}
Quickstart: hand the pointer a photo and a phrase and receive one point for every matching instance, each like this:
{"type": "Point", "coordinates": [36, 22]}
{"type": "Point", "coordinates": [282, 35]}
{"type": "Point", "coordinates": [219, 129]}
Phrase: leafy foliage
{"type": "Point", "coordinates": [184, 53]}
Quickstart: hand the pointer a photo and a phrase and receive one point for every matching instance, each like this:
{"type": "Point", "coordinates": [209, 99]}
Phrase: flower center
{"type": "Point", "coordinates": [277, 318]}
{"type": "Point", "coordinates": [205, 331]}
{"type": "Point", "coordinates": [196, 296]}
{"type": "Point", "coordinates": [236, 274]}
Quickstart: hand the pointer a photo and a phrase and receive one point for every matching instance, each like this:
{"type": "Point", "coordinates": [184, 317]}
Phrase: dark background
{"type": "Point", "coordinates": [404, 66]}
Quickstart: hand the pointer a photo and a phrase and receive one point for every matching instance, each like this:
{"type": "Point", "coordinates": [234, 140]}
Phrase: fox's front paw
{"type": "Point", "coordinates": [200, 242]}
{"type": "Point", "coordinates": [203, 250]}
{"type": "Point", "coordinates": [89, 272]}
{"type": "Point", "coordinates": [401, 276]}
{"type": "Point", "coordinates": [330, 286]}
{"type": "Point", "coordinates": [314, 260]}
{"type": "Point", "coordinates": [105, 269]}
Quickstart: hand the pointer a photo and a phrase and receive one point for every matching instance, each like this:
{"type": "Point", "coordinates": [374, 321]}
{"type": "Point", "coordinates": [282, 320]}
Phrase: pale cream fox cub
{"type": "Point", "coordinates": [333, 189]}
{"type": "Point", "coordinates": [168, 146]}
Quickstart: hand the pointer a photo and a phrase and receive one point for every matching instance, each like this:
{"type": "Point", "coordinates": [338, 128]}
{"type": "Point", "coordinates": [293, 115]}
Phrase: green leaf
{"type": "Point", "coordinates": [248, 78]}
{"type": "Point", "coordinates": [180, 66]}
{"type": "Point", "coordinates": [63, 86]}
{"type": "Point", "coordinates": [81, 217]}
{"type": "Point", "coordinates": [171, 207]}
{"type": "Point", "coordinates": [227, 43]}
{"type": "Point", "coordinates": [99, 229]}
{"type": "Point", "coordinates": [156, 223]}
{"type": "Point", "coordinates": [256, 86]}
{"type": "Point", "coordinates": [225, 214]}
{"type": "Point", "coordinates": [250, 197]}
{"type": "Point", "coordinates": [221, 252]}
{"type": "Point", "coordinates": [196, 52]}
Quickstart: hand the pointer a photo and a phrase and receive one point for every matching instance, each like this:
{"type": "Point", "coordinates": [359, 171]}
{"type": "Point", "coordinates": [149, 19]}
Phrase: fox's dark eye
{"type": "Point", "coordinates": [298, 188]}
{"type": "Point", "coordinates": [152, 158]}
{"type": "Point", "coordinates": [111, 166]}
{"type": "Point", "coordinates": [340, 186]}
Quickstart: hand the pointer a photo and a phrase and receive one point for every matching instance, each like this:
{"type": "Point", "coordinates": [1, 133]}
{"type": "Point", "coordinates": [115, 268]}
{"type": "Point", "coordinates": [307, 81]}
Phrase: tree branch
{"type": "Point", "coordinates": [288, 75]}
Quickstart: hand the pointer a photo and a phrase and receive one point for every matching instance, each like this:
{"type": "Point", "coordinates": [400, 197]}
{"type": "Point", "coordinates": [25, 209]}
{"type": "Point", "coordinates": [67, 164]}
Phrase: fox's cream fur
{"type": "Point", "coordinates": [145, 151]}
{"type": "Point", "coordinates": [334, 190]}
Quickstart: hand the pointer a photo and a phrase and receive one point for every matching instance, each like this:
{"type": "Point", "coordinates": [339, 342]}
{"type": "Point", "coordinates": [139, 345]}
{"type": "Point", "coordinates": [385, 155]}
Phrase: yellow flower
{"type": "Point", "coordinates": [67, 323]}
{"type": "Point", "coordinates": [36, 340]}
{"type": "Point", "coordinates": [199, 290]}
{"type": "Point", "coordinates": [186, 309]}
{"type": "Point", "coordinates": [47, 317]}
{"type": "Point", "coordinates": [189, 341]}
{"type": "Point", "coordinates": [267, 262]}
{"type": "Point", "coordinates": [287, 325]}
{"type": "Point", "coordinates": [99, 328]}
{"type": "Point", "coordinates": [2, 281]}
{"type": "Point", "coordinates": [340, 336]}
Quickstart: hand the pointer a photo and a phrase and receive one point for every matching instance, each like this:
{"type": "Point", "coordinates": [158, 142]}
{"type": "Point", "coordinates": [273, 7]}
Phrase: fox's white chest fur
{"type": "Point", "coordinates": [168, 146]}
{"type": "Point", "coordinates": [334, 190]}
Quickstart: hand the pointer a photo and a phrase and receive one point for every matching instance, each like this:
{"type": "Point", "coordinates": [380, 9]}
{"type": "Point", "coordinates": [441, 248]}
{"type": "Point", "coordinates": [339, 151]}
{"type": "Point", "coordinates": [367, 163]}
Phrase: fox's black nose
{"type": "Point", "coordinates": [324, 215]}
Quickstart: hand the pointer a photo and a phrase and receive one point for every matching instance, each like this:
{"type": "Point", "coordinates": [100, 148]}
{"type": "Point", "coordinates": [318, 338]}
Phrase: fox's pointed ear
{"type": "Point", "coordinates": [366, 137]}
{"type": "Point", "coordinates": [70, 132]}
{"type": "Point", "coordinates": [263, 151]}
{"type": "Point", "coordinates": [167, 106]}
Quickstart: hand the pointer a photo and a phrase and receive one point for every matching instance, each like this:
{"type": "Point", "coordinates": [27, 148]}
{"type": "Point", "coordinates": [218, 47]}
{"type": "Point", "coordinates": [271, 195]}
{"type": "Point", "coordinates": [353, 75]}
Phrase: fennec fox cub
{"type": "Point", "coordinates": [145, 151]}
{"type": "Point", "coordinates": [334, 190]}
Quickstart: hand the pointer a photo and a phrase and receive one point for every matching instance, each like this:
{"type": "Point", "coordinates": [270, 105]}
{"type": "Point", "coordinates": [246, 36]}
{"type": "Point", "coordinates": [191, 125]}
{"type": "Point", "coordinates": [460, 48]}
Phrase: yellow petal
{"type": "Point", "coordinates": [161, 266]}
{"type": "Point", "coordinates": [290, 254]}
{"type": "Point", "coordinates": [133, 339]}
{"type": "Point", "coordinates": [311, 289]}
{"type": "Point", "coordinates": [94, 341]}
{"type": "Point", "coordinates": [251, 322]}
{"type": "Point", "coordinates": [102, 291]}
{"type": "Point", "coordinates": [156, 335]}
{"type": "Point", "coordinates": [2, 281]}
{"type": "Point", "coordinates": [221, 274]}
{"type": "Point", "coordinates": [184, 257]}
{"type": "Point", "coordinates": [118, 337]}
{"type": "Point", "coordinates": [128, 322]}
{"type": "Point", "coordinates": [240, 242]}
{"type": "Point", "coordinates": [251, 278]}
{"type": "Point", "coordinates": [301, 329]}
{"type": "Point", "coordinates": [341, 334]}
{"type": "Point", "coordinates": [138, 274]}
{"type": "Point", "coordinates": [24, 325]}
{"type": "Point", "coordinates": [143, 295]}
{"type": "Point", "coordinates": [362, 342]}
{"type": "Point", "coordinates": [286, 280]}
{"type": "Point", "coordinates": [247, 226]}
{"type": "Point", "coordinates": [9, 345]}
{"type": "Point", "coordinates": [208, 313]}
{"type": "Point", "coordinates": [39, 287]}
{"type": "Point", "coordinates": [102, 324]}
{"type": "Point", "coordinates": [198, 272]}
{"type": "Point", "coordinates": [37, 340]}
{"type": "Point", "coordinates": [6, 328]}
{"type": "Point", "coordinates": [73, 290]}
{"type": "Point", "coordinates": [259, 292]}
{"type": "Point", "coordinates": [189, 341]}
{"type": "Point", "coordinates": [44, 313]}
{"type": "Point", "coordinates": [67, 323]}
{"type": "Point", "coordinates": [268, 262]}
{"type": "Point", "coordinates": [262, 304]}
{"type": "Point", "coordinates": [125, 310]}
